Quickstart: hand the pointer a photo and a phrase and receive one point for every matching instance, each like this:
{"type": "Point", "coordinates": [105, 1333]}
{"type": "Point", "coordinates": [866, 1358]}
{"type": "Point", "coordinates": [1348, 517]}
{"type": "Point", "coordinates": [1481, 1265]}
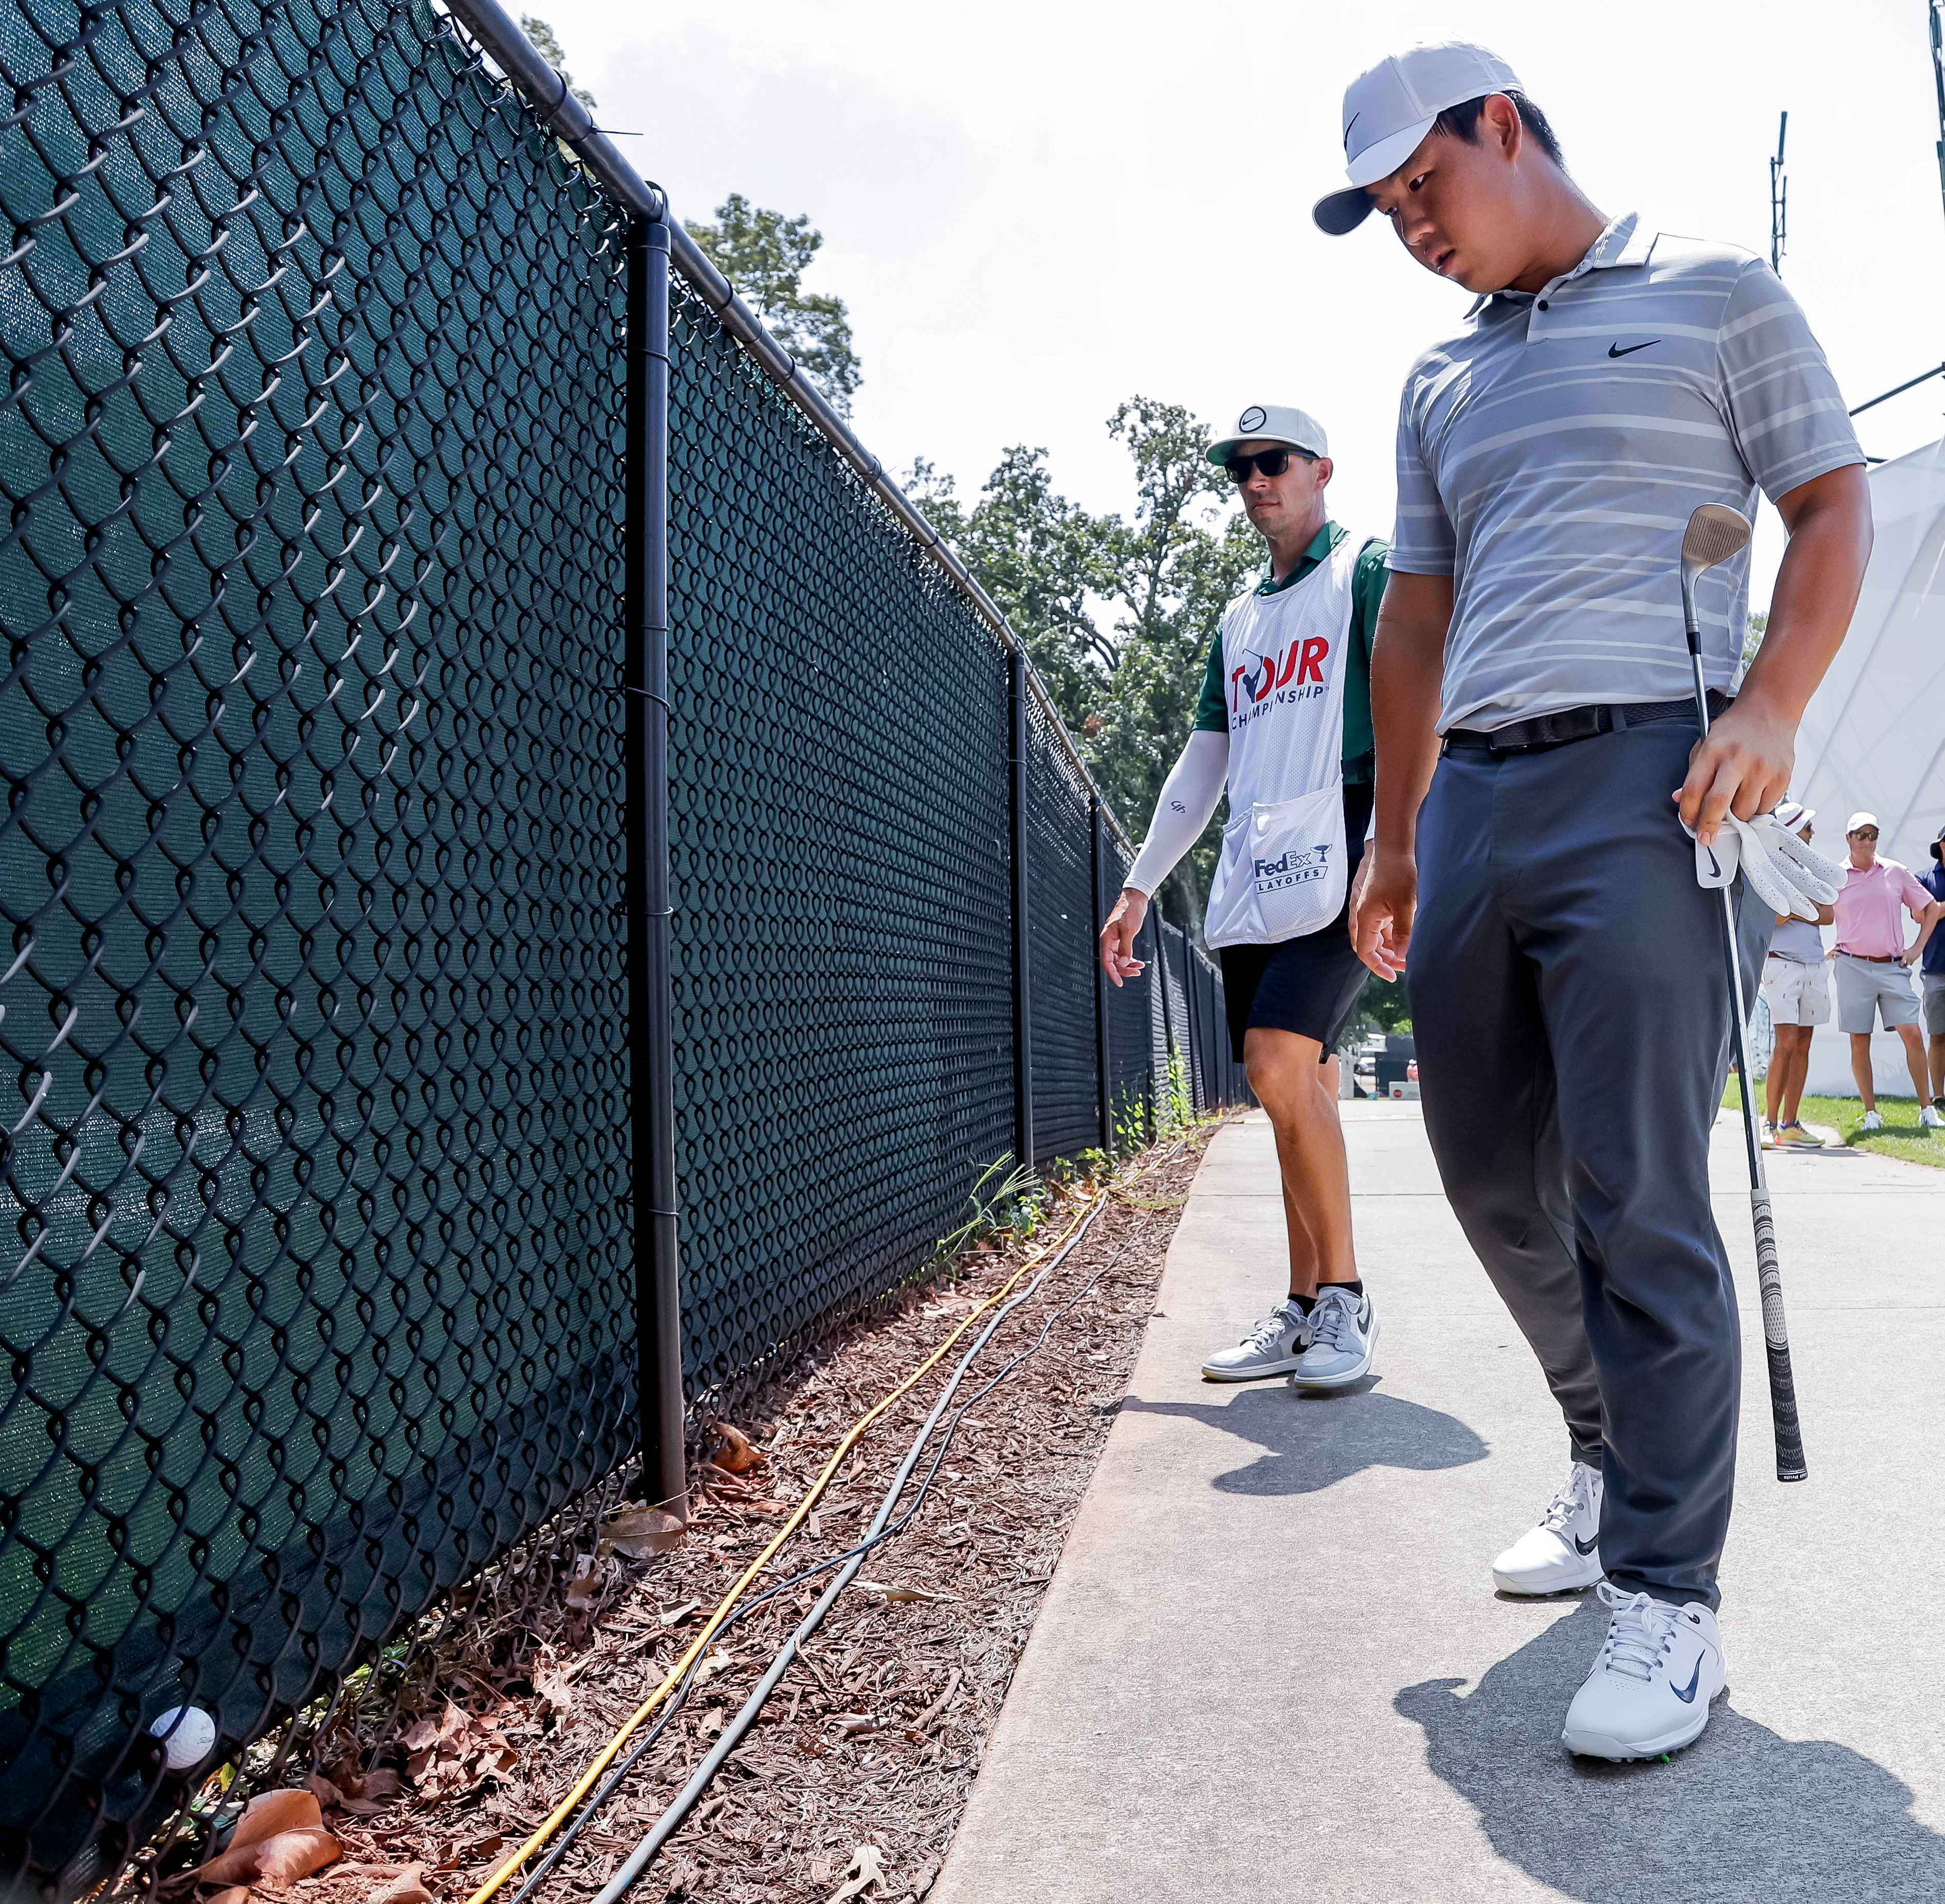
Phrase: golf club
{"type": "Point", "coordinates": [1714, 533]}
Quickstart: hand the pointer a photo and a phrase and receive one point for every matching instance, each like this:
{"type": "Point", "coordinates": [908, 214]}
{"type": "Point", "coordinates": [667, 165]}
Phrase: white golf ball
{"type": "Point", "coordinates": [190, 1731]}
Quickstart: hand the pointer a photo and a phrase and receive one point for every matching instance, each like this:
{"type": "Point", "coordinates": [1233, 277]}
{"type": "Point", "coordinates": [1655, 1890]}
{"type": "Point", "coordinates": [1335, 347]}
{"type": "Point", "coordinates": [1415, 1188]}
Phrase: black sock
{"type": "Point", "coordinates": [1305, 1303]}
{"type": "Point", "coordinates": [1356, 1289]}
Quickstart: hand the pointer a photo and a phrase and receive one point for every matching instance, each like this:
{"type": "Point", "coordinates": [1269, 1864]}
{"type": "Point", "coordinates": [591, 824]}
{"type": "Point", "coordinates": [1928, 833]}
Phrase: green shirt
{"type": "Point", "coordinates": [1367, 590]}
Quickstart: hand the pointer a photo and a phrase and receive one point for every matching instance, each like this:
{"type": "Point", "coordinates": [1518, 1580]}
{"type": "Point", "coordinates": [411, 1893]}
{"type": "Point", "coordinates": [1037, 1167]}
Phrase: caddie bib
{"type": "Point", "coordinates": [1282, 871]}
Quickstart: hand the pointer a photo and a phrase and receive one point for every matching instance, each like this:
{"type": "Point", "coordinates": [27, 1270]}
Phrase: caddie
{"type": "Point", "coordinates": [1537, 738]}
{"type": "Point", "coordinates": [1285, 719]}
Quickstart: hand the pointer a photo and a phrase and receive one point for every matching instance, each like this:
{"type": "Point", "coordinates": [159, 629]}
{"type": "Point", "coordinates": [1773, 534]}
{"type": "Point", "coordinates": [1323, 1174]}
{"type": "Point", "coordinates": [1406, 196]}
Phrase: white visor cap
{"type": "Point", "coordinates": [1389, 109]}
{"type": "Point", "coordinates": [1273, 423]}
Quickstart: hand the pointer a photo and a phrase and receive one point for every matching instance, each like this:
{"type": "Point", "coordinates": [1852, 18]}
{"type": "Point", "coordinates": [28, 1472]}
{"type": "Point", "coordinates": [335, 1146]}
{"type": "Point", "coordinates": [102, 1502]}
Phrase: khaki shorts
{"type": "Point", "coordinates": [1866, 991]}
{"type": "Point", "coordinates": [1796, 993]}
{"type": "Point", "coordinates": [1934, 1004]}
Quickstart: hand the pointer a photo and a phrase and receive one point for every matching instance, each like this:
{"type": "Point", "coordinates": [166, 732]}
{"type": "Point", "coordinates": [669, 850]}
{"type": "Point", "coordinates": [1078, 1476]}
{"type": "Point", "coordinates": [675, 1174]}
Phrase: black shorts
{"type": "Point", "coordinates": [1307, 985]}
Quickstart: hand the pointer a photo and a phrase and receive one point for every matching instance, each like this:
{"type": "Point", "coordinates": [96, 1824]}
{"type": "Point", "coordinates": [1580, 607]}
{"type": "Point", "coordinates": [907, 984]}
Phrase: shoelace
{"type": "Point", "coordinates": [1569, 1499]}
{"type": "Point", "coordinates": [1267, 1332]}
{"type": "Point", "coordinates": [1638, 1635]}
{"type": "Point", "coordinates": [1335, 1316]}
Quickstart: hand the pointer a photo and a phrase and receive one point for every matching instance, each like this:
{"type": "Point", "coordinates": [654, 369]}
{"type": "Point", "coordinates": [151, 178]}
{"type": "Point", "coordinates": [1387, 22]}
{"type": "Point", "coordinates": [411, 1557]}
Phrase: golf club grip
{"type": "Point", "coordinates": [1789, 1463]}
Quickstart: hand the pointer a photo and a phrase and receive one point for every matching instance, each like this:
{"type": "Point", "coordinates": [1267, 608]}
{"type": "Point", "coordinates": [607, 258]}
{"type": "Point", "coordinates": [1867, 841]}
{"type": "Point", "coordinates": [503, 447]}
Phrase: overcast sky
{"type": "Point", "coordinates": [1034, 209]}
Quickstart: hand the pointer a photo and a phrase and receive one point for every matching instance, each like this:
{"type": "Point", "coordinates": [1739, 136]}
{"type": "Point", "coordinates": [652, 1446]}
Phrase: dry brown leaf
{"type": "Point", "coordinates": [583, 1585]}
{"type": "Point", "coordinates": [553, 1687]}
{"type": "Point", "coordinates": [675, 1615]}
{"type": "Point", "coordinates": [732, 1450]}
{"type": "Point", "coordinates": [866, 1867]}
{"type": "Point", "coordinates": [230, 1894]}
{"type": "Point", "coordinates": [713, 1665]}
{"type": "Point", "coordinates": [326, 1794]}
{"type": "Point", "coordinates": [906, 1593]}
{"type": "Point", "coordinates": [272, 1811]}
{"type": "Point", "coordinates": [277, 1861]}
{"type": "Point", "coordinates": [409, 1887]}
{"type": "Point", "coordinates": [638, 1536]}
{"type": "Point", "coordinates": [382, 1782]}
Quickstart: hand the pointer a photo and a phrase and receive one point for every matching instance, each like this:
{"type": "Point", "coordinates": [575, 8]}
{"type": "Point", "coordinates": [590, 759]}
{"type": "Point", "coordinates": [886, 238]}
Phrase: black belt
{"type": "Point", "coordinates": [1568, 724]}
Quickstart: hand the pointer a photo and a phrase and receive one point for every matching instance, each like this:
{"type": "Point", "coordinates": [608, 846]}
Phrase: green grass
{"type": "Point", "coordinates": [1903, 1136]}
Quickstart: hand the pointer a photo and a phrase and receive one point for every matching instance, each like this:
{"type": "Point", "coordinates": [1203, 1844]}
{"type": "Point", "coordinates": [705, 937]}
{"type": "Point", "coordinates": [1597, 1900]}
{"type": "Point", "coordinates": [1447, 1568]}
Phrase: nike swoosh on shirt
{"type": "Point", "coordinates": [1687, 1698]}
{"type": "Point", "coordinates": [1615, 351]}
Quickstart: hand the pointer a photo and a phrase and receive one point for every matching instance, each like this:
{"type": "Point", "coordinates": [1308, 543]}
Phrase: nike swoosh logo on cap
{"type": "Point", "coordinates": [1615, 351]}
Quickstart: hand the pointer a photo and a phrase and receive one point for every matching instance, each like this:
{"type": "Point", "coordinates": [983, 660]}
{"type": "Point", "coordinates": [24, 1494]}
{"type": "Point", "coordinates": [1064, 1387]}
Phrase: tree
{"type": "Point", "coordinates": [764, 255]}
{"type": "Point", "coordinates": [549, 47]}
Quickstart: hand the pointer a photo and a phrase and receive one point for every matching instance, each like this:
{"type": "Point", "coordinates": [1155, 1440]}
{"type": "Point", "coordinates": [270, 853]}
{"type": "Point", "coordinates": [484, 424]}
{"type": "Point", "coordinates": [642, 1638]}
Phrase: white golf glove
{"type": "Point", "coordinates": [1786, 874]}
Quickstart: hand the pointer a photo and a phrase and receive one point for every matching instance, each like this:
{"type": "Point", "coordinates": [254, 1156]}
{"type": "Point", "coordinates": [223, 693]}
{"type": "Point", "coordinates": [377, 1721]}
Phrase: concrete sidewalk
{"type": "Point", "coordinates": [1272, 1663]}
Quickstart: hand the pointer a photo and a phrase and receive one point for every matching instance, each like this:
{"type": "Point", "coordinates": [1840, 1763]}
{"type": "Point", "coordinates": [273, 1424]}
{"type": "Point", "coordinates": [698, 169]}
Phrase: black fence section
{"type": "Point", "coordinates": [318, 1162]}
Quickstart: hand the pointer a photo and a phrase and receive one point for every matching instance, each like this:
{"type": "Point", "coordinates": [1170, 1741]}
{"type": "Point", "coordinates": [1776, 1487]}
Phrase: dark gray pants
{"type": "Point", "coordinates": [1572, 1015]}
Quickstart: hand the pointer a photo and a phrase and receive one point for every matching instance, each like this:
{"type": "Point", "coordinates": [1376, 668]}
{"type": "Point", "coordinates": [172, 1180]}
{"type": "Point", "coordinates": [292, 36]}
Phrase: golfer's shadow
{"type": "Point", "coordinates": [1743, 1814]}
{"type": "Point", "coordinates": [1312, 1442]}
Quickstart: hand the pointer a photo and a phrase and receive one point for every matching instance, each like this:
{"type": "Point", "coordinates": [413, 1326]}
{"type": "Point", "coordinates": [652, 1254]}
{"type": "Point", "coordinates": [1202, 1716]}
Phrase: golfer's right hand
{"type": "Point", "coordinates": [1118, 936]}
{"type": "Point", "coordinates": [1382, 910]}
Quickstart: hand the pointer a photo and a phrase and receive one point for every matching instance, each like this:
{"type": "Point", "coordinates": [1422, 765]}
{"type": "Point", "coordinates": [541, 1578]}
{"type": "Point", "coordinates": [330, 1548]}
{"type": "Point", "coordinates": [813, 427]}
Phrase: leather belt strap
{"type": "Point", "coordinates": [1874, 958]}
{"type": "Point", "coordinates": [1565, 724]}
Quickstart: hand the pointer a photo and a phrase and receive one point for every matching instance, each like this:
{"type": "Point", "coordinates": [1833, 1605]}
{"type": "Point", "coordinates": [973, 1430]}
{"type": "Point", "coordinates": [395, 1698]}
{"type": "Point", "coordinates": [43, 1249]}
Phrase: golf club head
{"type": "Point", "coordinates": [1714, 533]}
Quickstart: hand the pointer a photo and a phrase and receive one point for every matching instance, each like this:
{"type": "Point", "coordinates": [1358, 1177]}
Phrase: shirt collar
{"type": "Point", "coordinates": [1321, 543]}
{"type": "Point", "coordinates": [1625, 241]}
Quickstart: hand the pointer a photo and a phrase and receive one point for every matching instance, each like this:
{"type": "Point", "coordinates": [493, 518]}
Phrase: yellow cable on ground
{"type": "Point", "coordinates": [558, 1816]}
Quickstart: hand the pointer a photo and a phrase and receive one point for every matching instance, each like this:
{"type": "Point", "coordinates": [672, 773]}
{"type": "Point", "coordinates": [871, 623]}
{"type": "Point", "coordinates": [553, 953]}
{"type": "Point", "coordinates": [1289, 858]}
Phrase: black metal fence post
{"type": "Point", "coordinates": [1016, 769]}
{"type": "Point", "coordinates": [1103, 1052]}
{"type": "Point", "coordinates": [657, 1297]}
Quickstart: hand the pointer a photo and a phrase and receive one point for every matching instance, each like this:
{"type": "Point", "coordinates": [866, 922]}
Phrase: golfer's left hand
{"type": "Point", "coordinates": [1743, 768]}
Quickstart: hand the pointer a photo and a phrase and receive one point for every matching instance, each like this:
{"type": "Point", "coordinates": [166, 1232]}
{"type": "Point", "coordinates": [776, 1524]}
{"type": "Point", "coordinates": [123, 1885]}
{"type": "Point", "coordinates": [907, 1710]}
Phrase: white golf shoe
{"type": "Point", "coordinates": [1562, 1554]}
{"type": "Point", "coordinates": [1929, 1118]}
{"type": "Point", "coordinates": [1649, 1691]}
{"type": "Point", "coordinates": [1872, 1121]}
{"type": "Point", "coordinates": [1344, 1331]}
{"type": "Point", "coordinates": [1273, 1346]}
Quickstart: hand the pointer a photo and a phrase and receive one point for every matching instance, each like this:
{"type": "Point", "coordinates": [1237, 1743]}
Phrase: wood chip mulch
{"type": "Point", "coordinates": [853, 1782]}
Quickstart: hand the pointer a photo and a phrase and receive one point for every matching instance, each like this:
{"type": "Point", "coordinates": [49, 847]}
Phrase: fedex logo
{"type": "Point", "coordinates": [1300, 663]}
{"type": "Point", "coordinates": [1294, 869]}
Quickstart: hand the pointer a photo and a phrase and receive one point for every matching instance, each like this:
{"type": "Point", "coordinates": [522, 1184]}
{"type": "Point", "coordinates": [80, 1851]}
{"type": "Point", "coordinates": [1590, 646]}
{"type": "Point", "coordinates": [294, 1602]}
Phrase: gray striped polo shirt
{"type": "Point", "coordinates": [1549, 456]}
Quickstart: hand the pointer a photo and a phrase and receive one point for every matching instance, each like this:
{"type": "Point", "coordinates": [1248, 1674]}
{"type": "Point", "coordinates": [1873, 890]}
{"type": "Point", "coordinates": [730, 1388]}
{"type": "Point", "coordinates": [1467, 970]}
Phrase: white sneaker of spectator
{"type": "Point", "coordinates": [1273, 1346]}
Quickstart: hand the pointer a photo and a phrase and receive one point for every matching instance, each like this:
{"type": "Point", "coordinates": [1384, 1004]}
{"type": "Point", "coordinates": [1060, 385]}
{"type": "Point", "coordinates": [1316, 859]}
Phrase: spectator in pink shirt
{"type": "Point", "coordinates": [1874, 963]}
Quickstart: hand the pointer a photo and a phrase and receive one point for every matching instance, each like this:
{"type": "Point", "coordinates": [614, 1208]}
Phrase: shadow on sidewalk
{"type": "Point", "coordinates": [1742, 1815]}
{"type": "Point", "coordinates": [1310, 1449]}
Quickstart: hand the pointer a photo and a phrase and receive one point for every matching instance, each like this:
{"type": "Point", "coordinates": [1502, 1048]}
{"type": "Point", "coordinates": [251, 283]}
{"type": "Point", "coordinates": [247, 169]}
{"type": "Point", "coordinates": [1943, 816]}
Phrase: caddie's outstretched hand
{"type": "Point", "coordinates": [1382, 907]}
{"type": "Point", "coordinates": [1119, 934]}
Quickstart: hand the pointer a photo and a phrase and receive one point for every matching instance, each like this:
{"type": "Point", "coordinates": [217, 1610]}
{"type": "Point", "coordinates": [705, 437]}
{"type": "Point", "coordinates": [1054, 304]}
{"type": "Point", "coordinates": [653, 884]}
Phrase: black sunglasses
{"type": "Point", "coordinates": [1271, 462]}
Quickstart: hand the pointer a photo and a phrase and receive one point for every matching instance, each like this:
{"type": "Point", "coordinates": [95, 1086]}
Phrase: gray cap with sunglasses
{"type": "Point", "coordinates": [1273, 423]}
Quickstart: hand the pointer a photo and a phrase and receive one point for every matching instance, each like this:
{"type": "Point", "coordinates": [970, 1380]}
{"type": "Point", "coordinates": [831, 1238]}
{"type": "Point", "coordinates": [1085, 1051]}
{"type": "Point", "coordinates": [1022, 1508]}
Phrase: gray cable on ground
{"type": "Point", "coordinates": [672, 1820]}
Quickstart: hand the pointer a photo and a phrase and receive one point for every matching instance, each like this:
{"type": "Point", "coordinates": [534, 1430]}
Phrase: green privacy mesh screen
{"type": "Point", "coordinates": [315, 1165]}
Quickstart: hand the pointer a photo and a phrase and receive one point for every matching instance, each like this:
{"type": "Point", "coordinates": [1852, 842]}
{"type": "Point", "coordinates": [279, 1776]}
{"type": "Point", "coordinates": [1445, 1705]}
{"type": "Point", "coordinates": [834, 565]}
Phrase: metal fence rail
{"type": "Point", "coordinates": [362, 483]}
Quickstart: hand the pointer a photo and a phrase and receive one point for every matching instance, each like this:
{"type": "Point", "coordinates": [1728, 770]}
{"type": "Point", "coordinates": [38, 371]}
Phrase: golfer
{"type": "Point", "coordinates": [1931, 977]}
{"type": "Point", "coordinates": [1796, 988]}
{"type": "Point", "coordinates": [1874, 963]}
{"type": "Point", "coordinates": [1536, 738]}
{"type": "Point", "coordinates": [1285, 718]}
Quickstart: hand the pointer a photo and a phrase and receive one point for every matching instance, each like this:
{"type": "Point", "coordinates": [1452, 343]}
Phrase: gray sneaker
{"type": "Point", "coordinates": [1273, 1346]}
{"type": "Point", "coordinates": [1344, 1331]}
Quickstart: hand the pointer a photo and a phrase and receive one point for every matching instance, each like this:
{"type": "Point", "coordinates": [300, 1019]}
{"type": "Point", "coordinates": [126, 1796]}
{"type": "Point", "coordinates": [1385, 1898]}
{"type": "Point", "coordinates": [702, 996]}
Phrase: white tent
{"type": "Point", "coordinates": [1873, 735]}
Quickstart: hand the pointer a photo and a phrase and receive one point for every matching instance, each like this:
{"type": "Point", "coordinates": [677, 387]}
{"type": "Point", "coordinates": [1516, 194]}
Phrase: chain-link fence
{"type": "Point", "coordinates": [319, 1157]}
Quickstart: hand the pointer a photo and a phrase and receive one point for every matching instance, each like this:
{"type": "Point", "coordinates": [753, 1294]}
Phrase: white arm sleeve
{"type": "Point", "coordinates": [1188, 803]}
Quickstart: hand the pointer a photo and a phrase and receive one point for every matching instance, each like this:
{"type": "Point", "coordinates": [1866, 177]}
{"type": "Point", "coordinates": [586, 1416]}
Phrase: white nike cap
{"type": "Point", "coordinates": [1793, 816]}
{"type": "Point", "coordinates": [1857, 820]}
{"type": "Point", "coordinates": [1273, 423]}
{"type": "Point", "coordinates": [1389, 109]}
